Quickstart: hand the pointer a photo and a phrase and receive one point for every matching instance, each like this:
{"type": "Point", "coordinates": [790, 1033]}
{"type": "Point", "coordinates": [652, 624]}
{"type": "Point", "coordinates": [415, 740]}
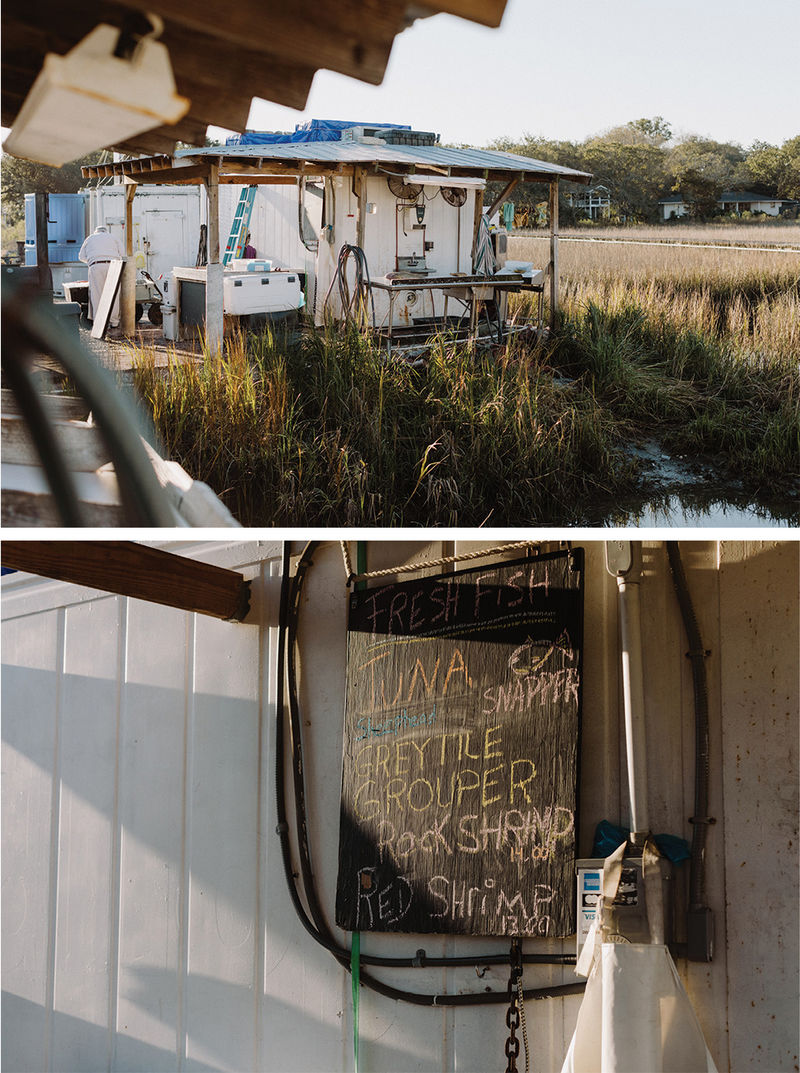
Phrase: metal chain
{"type": "Point", "coordinates": [512, 1015]}
{"type": "Point", "coordinates": [521, 996]}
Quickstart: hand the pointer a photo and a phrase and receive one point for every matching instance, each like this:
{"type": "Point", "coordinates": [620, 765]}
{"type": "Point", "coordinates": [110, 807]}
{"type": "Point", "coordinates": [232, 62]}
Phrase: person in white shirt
{"type": "Point", "coordinates": [98, 251]}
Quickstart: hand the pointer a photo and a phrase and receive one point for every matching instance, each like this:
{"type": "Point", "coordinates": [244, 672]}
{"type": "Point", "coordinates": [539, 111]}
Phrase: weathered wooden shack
{"type": "Point", "coordinates": [410, 206]}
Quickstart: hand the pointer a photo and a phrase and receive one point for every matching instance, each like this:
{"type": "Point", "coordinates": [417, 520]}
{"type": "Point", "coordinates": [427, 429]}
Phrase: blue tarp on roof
{"type": "Point", "coordinates": [315, 130]}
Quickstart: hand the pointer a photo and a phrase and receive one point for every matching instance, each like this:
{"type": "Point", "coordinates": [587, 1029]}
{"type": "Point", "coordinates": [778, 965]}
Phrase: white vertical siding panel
{"type": "Point", "coordinates": [267, 846]}
{"type": "Point", "coordinates": [88, 776]}
{"type": "Point", "coordinates": [224, 796]}
{"type": "Point", "coordinates": [303, 1014]}
{"type": "Point", "coordinates": [151, 835]}
{"type": "Point", "coordinates": [31, 680]}
{"type": "Point", "coordinates": [759, 587]}
{"type": "Point", "coordinates": [667, 714]}
{"type": "Point", "coordinates": [228, 199]}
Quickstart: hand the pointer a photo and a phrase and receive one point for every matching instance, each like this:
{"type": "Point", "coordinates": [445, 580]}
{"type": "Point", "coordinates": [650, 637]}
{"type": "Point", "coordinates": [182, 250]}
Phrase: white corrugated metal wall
{"type": "Point", "coordinates": [145, 921]}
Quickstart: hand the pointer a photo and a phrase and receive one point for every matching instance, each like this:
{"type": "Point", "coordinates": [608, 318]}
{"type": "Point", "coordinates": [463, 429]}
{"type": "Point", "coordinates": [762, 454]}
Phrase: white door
{"type": "Point", "coordinates": [163, 235]}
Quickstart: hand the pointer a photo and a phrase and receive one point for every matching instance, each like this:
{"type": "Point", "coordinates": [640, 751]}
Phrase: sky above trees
{"type": "Point", "coordinates": [725, 69]}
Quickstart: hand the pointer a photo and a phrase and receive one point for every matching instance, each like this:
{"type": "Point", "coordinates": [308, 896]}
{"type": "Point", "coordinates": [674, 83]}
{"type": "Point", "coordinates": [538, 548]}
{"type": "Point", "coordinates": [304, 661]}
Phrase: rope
{"type": "Point", "coordinates": [410, 567]}
{"type": "Point", "coordinates": [348, 566]}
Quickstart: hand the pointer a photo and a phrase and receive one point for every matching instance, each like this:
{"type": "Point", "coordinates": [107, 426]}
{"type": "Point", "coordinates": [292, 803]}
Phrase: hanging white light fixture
{"type": "Point", "coordinates": [91, 98]}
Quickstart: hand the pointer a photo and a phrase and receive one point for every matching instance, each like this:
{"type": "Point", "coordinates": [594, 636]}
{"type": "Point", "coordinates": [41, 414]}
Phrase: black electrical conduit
{"type": "Point", "coordinates": [59, 477]}
{"type": "Point", "coordinates": [697, 655]}
{"type": "Point", "coordinates": [317, 927]}
{"type": "Point", "coordinates": [29, 327]}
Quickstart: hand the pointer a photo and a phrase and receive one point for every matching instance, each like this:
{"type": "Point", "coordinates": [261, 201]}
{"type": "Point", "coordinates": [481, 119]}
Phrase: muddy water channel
{"type": "Point", "coordinates": [675, 493]}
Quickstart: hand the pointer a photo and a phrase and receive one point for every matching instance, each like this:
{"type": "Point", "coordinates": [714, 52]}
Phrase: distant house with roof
{"type": "Point", "coordinates": [733, 201]}
{"type": "Point", "coordinates": [738, 201]}
{"type": "Point", "coordinates": [595, 203]}
{"type": "Point", "coordinates": [673, 206]}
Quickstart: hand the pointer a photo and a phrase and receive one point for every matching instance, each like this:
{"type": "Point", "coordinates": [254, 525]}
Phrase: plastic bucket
{"type": "Point", "coordinates": [170, 321]}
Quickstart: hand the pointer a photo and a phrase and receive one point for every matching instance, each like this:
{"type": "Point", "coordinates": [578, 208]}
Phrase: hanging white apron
{"type": "Point", "coordinates": [635, 1016]}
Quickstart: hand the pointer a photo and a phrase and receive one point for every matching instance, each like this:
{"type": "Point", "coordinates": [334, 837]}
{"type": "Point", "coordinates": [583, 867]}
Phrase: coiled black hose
{"type": "Point", "coordinates": [355, 304]}
{"type": "Point", "coordinates": [313, 919]}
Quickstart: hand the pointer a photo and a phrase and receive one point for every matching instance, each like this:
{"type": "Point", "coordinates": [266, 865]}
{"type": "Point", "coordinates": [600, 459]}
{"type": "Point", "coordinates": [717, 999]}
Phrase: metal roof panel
{"type": "Point", "coordinates": [340, 152]}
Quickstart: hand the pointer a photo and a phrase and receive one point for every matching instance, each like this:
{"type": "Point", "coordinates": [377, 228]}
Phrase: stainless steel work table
{"type": "Point", "coordinates": [472, 289]}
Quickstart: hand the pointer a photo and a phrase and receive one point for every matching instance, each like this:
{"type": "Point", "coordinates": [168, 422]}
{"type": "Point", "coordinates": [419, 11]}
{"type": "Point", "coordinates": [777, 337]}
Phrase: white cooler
{"type": "Point", "coordinates": [261, 292]}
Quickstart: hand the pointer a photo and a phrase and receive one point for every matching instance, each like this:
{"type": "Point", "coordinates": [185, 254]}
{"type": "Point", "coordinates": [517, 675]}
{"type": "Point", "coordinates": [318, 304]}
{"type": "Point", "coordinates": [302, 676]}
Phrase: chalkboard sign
{"type": "Point", "coordinates": [459, 774]}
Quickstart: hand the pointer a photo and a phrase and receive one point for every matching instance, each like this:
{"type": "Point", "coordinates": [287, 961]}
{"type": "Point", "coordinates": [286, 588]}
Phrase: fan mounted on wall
{"type": "Point", "coordinates": [454, 195]}
{"type": "Point", "coordinates": [404, 191]}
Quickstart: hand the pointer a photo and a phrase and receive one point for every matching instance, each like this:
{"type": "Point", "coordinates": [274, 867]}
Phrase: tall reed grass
{"type": "Point", "coordinates": [325, 431]}
{"type": "Point", "coordinates": [702, 346]}
{"type": "Point", "coordinates": [776, 232]}
{"type": "Point", "coordinates": [700, 355]}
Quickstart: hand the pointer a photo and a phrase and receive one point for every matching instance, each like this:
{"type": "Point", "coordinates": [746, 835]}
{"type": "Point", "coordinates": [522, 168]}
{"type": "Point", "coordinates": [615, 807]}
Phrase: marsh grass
{"type": "Point", "coordinates": [701, 346]}
{"type": "Point", "coordinates": [700, 355]}
{"type": "Point", "coordinates": [756, 233]}
{"type": "Point", "coordinates": [325, 431]}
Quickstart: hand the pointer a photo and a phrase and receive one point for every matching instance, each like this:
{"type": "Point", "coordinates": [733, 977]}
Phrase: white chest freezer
{"type": "Point", "coordinates": [261, 292]}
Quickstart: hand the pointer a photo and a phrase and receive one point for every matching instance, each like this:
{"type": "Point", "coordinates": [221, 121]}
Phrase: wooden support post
{"type": "Point", "coordinates": [214, 268]}
{"type": "Point", "coordinates": [135, 570]}
{"type": "Point", "coordinates": [127, 297]}
{"type": "Point", "coordinates": [476, 223]}
{"type": "Point", "coordinates": [361, 211]}
{"type": "Point", "coordinates": [42, 212]}
{"type": "Point", "coordinates": [553, 252]}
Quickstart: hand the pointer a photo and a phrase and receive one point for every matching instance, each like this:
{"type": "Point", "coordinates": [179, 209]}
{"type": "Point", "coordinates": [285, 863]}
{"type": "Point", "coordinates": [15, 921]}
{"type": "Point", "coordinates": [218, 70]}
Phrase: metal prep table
{"type": "Point", "coordinates": [467, 288]}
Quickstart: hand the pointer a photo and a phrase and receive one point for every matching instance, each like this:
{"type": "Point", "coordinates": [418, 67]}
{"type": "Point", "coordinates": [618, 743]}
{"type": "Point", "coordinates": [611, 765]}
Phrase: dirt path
{"type": "Point", "coordinates": [119, 353]}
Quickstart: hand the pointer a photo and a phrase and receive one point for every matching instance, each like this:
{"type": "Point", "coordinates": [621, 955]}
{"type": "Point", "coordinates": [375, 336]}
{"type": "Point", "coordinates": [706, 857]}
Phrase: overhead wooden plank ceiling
{"type": "Point", "coordinates": [225, 52]}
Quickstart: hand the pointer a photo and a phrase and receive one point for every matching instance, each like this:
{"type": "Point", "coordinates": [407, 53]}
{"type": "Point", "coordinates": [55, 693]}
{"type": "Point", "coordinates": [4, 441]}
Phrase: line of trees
{"type": "Point", "coordinates": [21, 177]}
{"type": "Point", "coordinates": [640, 163]}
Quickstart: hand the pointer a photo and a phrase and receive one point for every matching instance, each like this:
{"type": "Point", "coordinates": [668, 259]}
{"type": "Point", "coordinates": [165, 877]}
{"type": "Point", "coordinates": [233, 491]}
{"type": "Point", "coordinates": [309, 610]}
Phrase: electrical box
{"type": "Point", "coordinates": [629, 912]}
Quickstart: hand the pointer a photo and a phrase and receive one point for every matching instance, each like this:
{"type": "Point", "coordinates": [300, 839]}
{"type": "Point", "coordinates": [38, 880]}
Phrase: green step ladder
{"type": "Point", "coordinates": [240, 225]}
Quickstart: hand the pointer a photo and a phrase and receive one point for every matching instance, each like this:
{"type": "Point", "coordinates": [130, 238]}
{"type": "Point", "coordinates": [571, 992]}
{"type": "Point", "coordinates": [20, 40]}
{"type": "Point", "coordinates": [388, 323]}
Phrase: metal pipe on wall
{"type": "Point", "coordinates": [623, 561]}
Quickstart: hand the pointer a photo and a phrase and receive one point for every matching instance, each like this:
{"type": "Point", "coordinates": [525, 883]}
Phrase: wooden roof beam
{"type": "Point", "coordinates": [200, 61]}
{"type": "Point", "coordinates": [487, 12]}
{"type": "Point", "coordinates": [135, 570]}
{"type": "Point", "coordinates": [177, 176]}
{"type": "Point", "coordinates": [258, 180]}
{"type": "Point", "coordinates": [239, 167]}
{"type": "Point", "coordinates": [353, 37]}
